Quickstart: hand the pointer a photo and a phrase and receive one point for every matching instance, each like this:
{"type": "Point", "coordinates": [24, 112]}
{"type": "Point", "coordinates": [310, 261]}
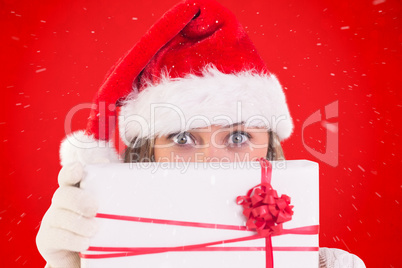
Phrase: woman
{"type": "Point", "coordinates": [192, 89]}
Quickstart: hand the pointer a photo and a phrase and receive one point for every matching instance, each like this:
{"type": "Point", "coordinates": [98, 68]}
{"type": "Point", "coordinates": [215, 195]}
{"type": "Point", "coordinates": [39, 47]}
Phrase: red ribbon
{"type": "Point", "coordinates": [134, 251]}
{"type": "Point", "coordinates": [265, 211]}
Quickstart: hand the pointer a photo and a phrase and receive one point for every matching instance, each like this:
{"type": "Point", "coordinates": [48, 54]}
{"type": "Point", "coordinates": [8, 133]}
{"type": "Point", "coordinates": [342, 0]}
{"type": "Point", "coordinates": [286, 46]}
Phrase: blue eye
{"type": "Point", "coordinates": [183, 138]}
{"type": "Point", "coordinates": [238, 138]}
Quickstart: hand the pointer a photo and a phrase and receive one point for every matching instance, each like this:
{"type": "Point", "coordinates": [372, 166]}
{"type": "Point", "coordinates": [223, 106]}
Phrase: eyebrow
{"type": "Point", "coordinates": [169, 136]}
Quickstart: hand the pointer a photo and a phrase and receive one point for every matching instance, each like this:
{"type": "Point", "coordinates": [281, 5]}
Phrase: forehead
{"type": "Point", "coordinates": [239, 126]}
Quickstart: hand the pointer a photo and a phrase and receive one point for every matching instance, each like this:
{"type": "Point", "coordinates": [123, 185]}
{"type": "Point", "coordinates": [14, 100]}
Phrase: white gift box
{"type": "Point", "coordinates": [137, 199]}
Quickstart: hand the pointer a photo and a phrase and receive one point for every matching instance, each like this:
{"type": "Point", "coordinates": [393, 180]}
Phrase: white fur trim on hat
{"type": "Point", "coordinates": [79, 147]}
{"type": "Point", "coordinates": [180, 104]}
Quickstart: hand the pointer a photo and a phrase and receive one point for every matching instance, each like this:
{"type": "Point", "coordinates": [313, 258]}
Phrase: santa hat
{"type": "Point", "coordinates": [195, 67]}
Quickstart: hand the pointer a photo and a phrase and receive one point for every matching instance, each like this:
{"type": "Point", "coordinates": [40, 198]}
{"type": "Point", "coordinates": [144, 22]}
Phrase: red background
{"type": "Point", "coordinates": [54, 55]}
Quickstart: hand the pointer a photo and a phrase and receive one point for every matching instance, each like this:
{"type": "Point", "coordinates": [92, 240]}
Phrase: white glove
{"type": "Point", "coordinates": [337, 258]}
{"type": "Point", "coordinates": [69, 222]}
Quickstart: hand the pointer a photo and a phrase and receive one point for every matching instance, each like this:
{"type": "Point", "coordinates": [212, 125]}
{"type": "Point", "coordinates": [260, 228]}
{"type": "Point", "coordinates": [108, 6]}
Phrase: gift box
{"type": "Point", "coordinates": [166, 214]}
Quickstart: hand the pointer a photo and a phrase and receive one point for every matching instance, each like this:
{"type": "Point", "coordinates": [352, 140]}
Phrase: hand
{"type": "Point", "coordinates": [69, 222]}
{"type": "Point", "coordinates": [337, 258]}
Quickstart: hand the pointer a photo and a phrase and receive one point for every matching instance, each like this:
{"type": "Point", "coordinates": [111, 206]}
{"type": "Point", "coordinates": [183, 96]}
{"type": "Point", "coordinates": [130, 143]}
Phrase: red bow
{"type": "Point", "coordinates": [265, 210]}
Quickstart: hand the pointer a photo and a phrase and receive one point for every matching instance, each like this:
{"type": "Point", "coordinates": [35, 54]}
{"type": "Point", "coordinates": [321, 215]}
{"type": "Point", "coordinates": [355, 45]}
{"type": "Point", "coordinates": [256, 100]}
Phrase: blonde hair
{"type": "Point", "coordinates": [142, 150]}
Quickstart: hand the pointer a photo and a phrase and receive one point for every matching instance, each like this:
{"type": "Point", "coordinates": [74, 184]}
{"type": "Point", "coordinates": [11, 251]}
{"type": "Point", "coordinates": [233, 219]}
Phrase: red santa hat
{"type": "Point", "coordinates": [195, 67]}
